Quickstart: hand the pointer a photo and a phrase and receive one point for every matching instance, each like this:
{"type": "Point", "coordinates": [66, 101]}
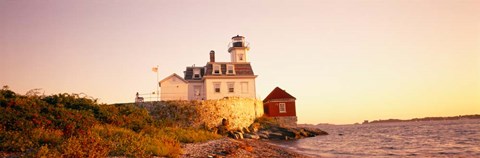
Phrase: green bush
{"type": "Point", "coordinates": [129, 143]}
{"type": "Point", "coordinates": [67, 125]}
{"type": "Point", "coordinates": [188, 135]}
{"type": "Point", "coordinates": [128, 116]}
{"type": "Point", "coordinates": [87, 145]}
{"type": "Point", "coordinates": [15, 141]}
{"type": "Point", "coordinates": [266, 122]}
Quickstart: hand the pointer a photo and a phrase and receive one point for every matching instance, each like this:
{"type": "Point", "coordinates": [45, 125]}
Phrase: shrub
{"type": "Point", "coordinates": [67, 125]}
{"type": "Point", "coordinates": [131, 144]}
{"type": "Point", "coordinates": [44, 152]}
{"type": "Point", "coordinates": [72, 101]}
{"type": "Point", "coordinates": [87, 145]}
{"type": "Point", "coordinates": [188, 135]}
{"type": "Point", "coordinates": [266, 122]}
{"type": "Point", "coordinates": [128, 116]}
{"type": "Point", "coordinates": [50, 137]}
{"type": "Point", "coordinates": [5, 96]}
{"type": "Point", "coordinates": [15, 141]}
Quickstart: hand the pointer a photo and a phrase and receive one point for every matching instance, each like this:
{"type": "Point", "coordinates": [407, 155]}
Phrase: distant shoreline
{"type": "Point", "coordinates": [476, 116]}
{"type": "Point", "coordinates": [459, 117]}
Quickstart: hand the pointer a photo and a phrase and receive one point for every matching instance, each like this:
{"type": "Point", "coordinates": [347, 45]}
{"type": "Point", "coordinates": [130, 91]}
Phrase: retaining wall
{"type": "Point", "coordinates": [240, 112]}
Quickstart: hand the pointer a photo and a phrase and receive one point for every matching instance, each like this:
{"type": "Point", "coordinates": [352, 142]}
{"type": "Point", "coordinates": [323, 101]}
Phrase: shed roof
{"type": "Point", "coordinates": [168, 77]}
{"type": "Point", "coordinates": [278, 93]}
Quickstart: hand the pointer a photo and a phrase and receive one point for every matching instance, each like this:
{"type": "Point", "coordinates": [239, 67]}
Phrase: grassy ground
{"type": "Point", "coordinates": [68, 125]}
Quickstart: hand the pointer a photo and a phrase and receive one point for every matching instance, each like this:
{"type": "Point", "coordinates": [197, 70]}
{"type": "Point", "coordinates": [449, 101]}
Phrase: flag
{"type": "Point", "coordinates": [155, 69]}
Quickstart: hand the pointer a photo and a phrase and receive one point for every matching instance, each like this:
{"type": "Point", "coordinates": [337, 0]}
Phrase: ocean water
{"type": "Point", "coordinates": [454, 138]}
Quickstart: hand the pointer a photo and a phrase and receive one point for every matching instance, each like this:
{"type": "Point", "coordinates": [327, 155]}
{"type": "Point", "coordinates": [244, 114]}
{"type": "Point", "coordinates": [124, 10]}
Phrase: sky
{"type": "Point", "coordinates": [344, 60]}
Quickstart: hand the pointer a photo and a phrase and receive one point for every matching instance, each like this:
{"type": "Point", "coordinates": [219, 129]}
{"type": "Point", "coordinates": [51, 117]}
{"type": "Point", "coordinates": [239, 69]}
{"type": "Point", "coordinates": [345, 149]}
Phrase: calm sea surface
{"type": "Point", "coordinates": [458, 138]}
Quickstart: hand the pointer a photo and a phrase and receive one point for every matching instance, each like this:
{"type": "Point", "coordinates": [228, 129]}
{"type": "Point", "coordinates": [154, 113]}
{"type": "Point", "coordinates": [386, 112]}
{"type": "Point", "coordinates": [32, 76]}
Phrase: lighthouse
{"type": "Point", "coordinates": [238, 49]}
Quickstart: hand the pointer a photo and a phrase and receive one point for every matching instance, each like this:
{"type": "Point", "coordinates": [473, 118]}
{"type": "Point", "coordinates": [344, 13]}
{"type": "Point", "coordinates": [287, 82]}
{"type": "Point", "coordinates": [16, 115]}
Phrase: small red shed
{"type": "Point", "coordinates": [281, 106]}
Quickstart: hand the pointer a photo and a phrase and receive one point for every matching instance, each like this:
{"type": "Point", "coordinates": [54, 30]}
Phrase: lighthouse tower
{"type": "Point", "coordinates": [238, 49]}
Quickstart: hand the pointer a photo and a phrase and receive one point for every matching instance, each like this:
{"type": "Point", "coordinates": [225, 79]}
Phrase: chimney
{"type": "Point", "coordinates": [212, 56]}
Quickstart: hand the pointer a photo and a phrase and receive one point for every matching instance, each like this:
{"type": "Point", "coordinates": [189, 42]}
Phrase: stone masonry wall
{"type": "Point", "coordinates": [240, 112]}
{"type": "Point", "coordinates": [287, 121]}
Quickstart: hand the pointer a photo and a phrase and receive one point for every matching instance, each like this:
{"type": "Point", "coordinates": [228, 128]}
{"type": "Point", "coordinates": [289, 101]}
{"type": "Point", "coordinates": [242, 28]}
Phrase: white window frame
{"type": "Point", "coordinates": [217, 85]}
{"type": "Point", "coordinates": [196, 72]}
{"type": "Point", "coordinates": [241, 57]}
{"type": "Point", "coordinates": [231, 87]}
{"type": "Point", "coordinates": [282, 108]}
{"type": "Point", "coordinates": [216, 67]}
{"type": "Point", "coordinates": [197, 90]}
{"type": "Point", "coordinates": [232, 68]}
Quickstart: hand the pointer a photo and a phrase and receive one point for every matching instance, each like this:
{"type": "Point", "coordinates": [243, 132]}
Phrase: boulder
{"type": "Point", "coordinates": [240, 131]}
{"type": "Point", "coordinates": [245, 130]}
{"type": "Point", "coordinates": [251, 136]}
{"type": "Point", "coordinates": [254, 127]}
{"type": "Point", "coordinates": [266, 132]}
{"type": "Point", "coordinates": [314, 132]}
{"type": "Point", "coordinates": [263, 136]}
{"type": "Point", "coordinates": [304, 133]}
{"type": "Point", "coordinates": [239, 134]}
{"type": "Point", "coordinates": [274, 131]}
{"type": "Point", "coordinates": [235, 135]}
{"type": "Point", "coordinates": [276, 135]}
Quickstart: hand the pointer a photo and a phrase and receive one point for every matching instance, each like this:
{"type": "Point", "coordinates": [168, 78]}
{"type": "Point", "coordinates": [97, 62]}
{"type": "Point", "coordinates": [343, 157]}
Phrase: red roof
{"type": "Point", "coordinates": [241, 69]}
{"type": "Point", "coordinates": [278, 93]}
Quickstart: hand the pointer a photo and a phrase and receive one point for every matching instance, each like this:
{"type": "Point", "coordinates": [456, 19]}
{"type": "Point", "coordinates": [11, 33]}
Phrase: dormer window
{"type": "Point", "coordinates": [196, 73]}
{"type": "Point", "coordinates": [230, 69]}
{"type": "Point", "coordinates": [217, 70]}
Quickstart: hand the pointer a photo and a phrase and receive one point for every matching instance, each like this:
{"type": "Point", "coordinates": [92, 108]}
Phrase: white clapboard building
{"type": "Point", "coordinates": [215, 80]}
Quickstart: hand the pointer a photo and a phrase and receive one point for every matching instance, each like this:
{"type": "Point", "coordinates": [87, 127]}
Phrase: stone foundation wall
{"type": "Point", "coordinates": [287, 121]}
{"type": "Point", "coordinates": [240, 112]}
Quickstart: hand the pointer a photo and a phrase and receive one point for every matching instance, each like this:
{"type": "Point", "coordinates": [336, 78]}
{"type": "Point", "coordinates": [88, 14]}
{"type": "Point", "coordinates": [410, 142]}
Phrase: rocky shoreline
{"type": "Point", "coordinates": [228, 147]}
{"type": "Point", "coordinates": [267, 130]}
{"type": "Point", "coordinates": [250, 142]}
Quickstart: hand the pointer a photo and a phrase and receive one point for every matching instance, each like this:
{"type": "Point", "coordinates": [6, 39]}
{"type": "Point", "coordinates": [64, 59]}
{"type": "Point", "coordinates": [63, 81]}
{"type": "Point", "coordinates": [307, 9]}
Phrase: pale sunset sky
{"type": "Point", "coordinates": [344, 60]}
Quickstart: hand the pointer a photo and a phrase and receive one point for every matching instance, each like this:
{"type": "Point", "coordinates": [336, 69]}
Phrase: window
{"type": "Point", "coordinates": [196, 90]}
{"type": "Point", "coordinates": [217, 69]}
{"type": "Point", "coordinates": [240, 57]}
{"type": "Point", "coordinates": [230, 69]}
{"type": "Point", "coordinates": [244, 86]}
{"type": "Point", "coordinates": [231, 87]}
{"type": "Point", "coordinates": [216, 87]}
{"type": "Point", "coordinates": [282, 108]}
{"type": "Point", "coordinates": [196, 73]}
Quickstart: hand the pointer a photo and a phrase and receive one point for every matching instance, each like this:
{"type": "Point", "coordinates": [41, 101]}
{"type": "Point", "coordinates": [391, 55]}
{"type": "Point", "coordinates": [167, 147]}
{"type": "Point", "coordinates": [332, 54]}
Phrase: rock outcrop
{"type": "Point", "coordinates": [267, 130]}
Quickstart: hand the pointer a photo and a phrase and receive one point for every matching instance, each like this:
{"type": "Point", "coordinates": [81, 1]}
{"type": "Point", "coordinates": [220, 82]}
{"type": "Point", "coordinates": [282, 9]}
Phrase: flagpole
{"type": "Point", "coordinates": [155, 69]}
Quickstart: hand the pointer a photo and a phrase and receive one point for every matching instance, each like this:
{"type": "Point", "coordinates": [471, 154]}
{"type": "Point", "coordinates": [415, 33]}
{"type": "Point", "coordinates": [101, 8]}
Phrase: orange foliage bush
{"type": "Point", "coordinates": [67, 125]}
